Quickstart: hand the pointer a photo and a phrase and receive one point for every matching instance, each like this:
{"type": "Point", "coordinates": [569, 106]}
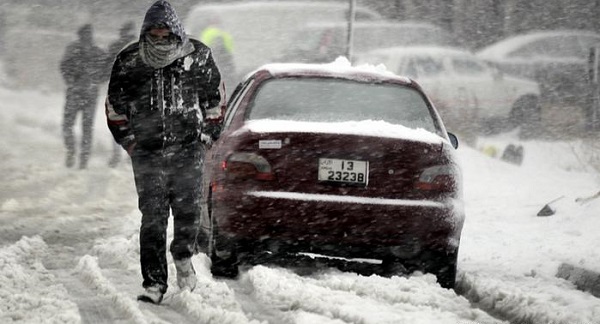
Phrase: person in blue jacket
{"type": "Point", "coordinates": [161, 90]}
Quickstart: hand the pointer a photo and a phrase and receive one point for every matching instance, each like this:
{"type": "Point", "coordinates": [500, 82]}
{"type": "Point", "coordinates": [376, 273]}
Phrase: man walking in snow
{"type": "Point", "coordinates": [160, 92]}
{"type": "Point", "coordinates": [81, 68]}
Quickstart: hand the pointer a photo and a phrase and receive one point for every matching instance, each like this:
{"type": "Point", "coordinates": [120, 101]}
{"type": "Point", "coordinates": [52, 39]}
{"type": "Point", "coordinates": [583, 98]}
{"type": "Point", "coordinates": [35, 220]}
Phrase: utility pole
{"type": "Point", "coordinates": [351, 18]}
{"type": "Point", "coordinates": [593, 105]}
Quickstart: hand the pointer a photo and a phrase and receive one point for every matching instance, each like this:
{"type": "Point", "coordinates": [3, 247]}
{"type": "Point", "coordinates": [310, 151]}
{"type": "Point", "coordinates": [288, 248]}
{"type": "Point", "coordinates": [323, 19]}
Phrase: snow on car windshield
{"type": "Point", "coordinates": [328, 100]}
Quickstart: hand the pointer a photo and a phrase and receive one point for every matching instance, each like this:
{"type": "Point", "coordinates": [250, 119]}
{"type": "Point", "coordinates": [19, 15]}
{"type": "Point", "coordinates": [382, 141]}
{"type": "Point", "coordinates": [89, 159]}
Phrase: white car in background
{"type": "Point", "coordinates": [470, 95]}
{"type": "Point", "coordinates": [323, 42]}
{"type": "Point", "coordinates": [261, 29]}
{"type": "Point", "coordinates": [533, 54]}
{"type": "Point", "coordinates": [559, 61]}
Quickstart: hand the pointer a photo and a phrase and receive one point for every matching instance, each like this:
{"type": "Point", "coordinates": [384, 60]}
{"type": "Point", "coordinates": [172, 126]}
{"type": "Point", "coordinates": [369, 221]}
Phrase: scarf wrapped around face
{"type": "Point", "coordinates": [160, 53]}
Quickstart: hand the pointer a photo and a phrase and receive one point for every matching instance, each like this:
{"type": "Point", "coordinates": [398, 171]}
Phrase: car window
{"type": "Point", "coordinates": [587, 42]}
{"type": "Point", "coordinates": [368, 38]}
{"type": "Point", "coordinates": [335, 100]}
{"type": "Point", "coordinates": [557, 46]}
{"type": "Point", "coordinates": [372, 58]}
{"type": "Point", "coordinates": [464, 65]}
{"type": "Point", "coordinates": [239, 93]}
{"type": "Point", "coordinates": [422, 67]}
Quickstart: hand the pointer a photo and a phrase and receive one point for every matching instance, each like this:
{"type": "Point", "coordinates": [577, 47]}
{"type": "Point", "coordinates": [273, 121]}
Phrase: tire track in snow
{"type": "Point", "coordinates": [528, 298]}
{"type": "Point", "coordinates": [336, 297]}
{"type": "Point", "coordinates": [27, 286]}
{"type": "Point", "coordinates": [117, 258]}
{"type": "Point", "coordinates": [92, 276]}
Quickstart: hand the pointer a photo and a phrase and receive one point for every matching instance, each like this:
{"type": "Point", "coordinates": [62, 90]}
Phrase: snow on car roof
{"type": "Point", "coordinates": [427, 49]}
{"type": "Point", "coordinates": [262, 5]}
{"type": "Point", "coordinates": [341, 67]}
{"type": "Point", "coordinates": [373, 23]}
{"type": "Point", "coordinates": [503, 47]}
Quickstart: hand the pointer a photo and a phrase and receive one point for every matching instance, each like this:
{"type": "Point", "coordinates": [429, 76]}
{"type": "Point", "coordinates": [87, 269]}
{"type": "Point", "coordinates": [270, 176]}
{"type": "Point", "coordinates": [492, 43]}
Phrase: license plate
{"type": "Point", "coordinates": [347, 171]}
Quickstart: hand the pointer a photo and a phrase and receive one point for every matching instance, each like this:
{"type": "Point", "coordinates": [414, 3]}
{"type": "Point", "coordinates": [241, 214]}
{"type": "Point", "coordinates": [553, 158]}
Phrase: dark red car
{"type": "Point", "coordinates": [338, 161]}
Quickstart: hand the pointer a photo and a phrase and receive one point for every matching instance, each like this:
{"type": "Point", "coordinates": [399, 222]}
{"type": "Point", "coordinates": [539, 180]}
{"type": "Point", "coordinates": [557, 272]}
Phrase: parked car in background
{"type": "Point", "coordinates": [469, 94]}
{"type": "Point", "coordinates": [324, 41]}
{"type": "Point", "coordinates": [337, 161]}
{"type": "Point", "coordinates": [260, 29]}
{"type": "Point", "coordinates": [558, 60]}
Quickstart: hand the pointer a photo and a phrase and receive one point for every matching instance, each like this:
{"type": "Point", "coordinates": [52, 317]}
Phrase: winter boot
{"type": "Point", "coordinates": [186, 275]}
{"type": "Point", "coordinates": [153, 294]}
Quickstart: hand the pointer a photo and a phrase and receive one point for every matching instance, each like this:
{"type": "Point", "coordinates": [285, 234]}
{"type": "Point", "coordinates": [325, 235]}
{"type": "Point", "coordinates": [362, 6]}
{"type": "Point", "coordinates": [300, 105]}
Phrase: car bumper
{"type": "Point", "coordinates": [320, 223]}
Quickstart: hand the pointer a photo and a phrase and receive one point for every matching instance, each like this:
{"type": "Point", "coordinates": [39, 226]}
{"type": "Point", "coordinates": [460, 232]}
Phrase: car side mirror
{"type": "Point", "coordinates": [453, 140]}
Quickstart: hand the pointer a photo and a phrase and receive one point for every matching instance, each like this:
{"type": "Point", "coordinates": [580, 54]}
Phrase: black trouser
{"type": "Point", "coordinates": [80, 100]}
{"type": "Point", "coordinates": [167, 180]}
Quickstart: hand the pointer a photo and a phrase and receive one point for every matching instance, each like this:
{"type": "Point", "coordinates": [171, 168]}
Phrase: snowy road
{"type": "Point", "coordinates": [69, 245]}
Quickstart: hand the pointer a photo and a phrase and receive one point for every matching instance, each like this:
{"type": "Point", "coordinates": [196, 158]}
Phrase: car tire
{"type": "Point", "coordinates": [226, 268]}
{"type": "Point", "coordinates": [443, 266]}
{"type": "Point", "coordinates": [393, 267]}
{"type": "Point", "coordinates": [526, 113]}
{"type": "Point", "coordinates": [222, 267]}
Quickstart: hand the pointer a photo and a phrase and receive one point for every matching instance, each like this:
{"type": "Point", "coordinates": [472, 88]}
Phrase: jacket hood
{"type": "Point", "coordinates": [163, 13]}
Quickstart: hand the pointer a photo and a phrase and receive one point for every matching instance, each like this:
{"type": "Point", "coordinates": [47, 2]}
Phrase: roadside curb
{"type": "Point", "coordinates": [583, 279]}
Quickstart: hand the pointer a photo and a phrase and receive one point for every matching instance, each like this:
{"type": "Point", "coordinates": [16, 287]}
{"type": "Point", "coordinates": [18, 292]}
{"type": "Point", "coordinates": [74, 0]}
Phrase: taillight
{"type": "Point", "coordinates": [247, 166]}
{"type": "Point", "coordinates": [437, 178]}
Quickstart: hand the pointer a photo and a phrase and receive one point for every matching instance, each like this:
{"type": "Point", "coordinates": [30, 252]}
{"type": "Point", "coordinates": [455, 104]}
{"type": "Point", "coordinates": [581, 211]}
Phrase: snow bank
{"type": "Point", "coordinates": [351, 298]}
{"type": "Point", "coordinates": [529, 299]}
{"type": "Point", "coordinates": [29, 292]}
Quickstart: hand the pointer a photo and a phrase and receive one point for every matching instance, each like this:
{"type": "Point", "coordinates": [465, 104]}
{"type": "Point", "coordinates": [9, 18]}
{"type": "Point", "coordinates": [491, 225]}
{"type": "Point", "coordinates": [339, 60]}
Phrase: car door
{"type": "Point", "coordinates": [487, 93]}
{"type": "Point", "coordinates": [446, 89]}
{"type": "Point", "coordinates": [549, 58]}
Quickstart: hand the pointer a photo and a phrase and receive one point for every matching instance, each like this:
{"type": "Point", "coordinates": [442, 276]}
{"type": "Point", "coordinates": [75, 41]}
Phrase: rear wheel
{"type": "Point", "coordinates": [440, 264]}
{"type": "Point", "coordinates": [393, 267]}
{"type": "Point", "coordinates": [226, 266]}
{"type": "Point", "coordinates": [443, 266]}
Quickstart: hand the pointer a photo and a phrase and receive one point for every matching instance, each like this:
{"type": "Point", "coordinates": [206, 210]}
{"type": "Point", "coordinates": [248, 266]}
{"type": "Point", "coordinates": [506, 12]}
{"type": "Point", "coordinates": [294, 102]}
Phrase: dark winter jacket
{"type": "Point", "coordinates": [164, 107]}
{"type": "Point", "coordinates": [82, 65]}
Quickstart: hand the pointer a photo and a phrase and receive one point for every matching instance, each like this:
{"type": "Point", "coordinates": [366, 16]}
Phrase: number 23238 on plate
{"type": "Point", "coordinates": [348, 171]}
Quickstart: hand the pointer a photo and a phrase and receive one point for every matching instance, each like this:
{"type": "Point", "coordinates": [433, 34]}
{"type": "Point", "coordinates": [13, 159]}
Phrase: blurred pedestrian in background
{"type": "Point", "coordinates": [83, 69]}
{"type": "Point", "coordinates": [221, 43]}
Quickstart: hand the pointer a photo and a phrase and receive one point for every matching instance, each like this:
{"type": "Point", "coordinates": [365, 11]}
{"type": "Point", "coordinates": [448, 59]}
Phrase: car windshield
{"type": "Point", "coordinates": [337, 100]}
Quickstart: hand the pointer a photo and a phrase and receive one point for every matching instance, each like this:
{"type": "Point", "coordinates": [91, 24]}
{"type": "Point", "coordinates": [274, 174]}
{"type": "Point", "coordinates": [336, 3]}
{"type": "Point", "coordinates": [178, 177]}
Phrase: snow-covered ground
{"type": "Point", "coordinates": [69, 244]}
